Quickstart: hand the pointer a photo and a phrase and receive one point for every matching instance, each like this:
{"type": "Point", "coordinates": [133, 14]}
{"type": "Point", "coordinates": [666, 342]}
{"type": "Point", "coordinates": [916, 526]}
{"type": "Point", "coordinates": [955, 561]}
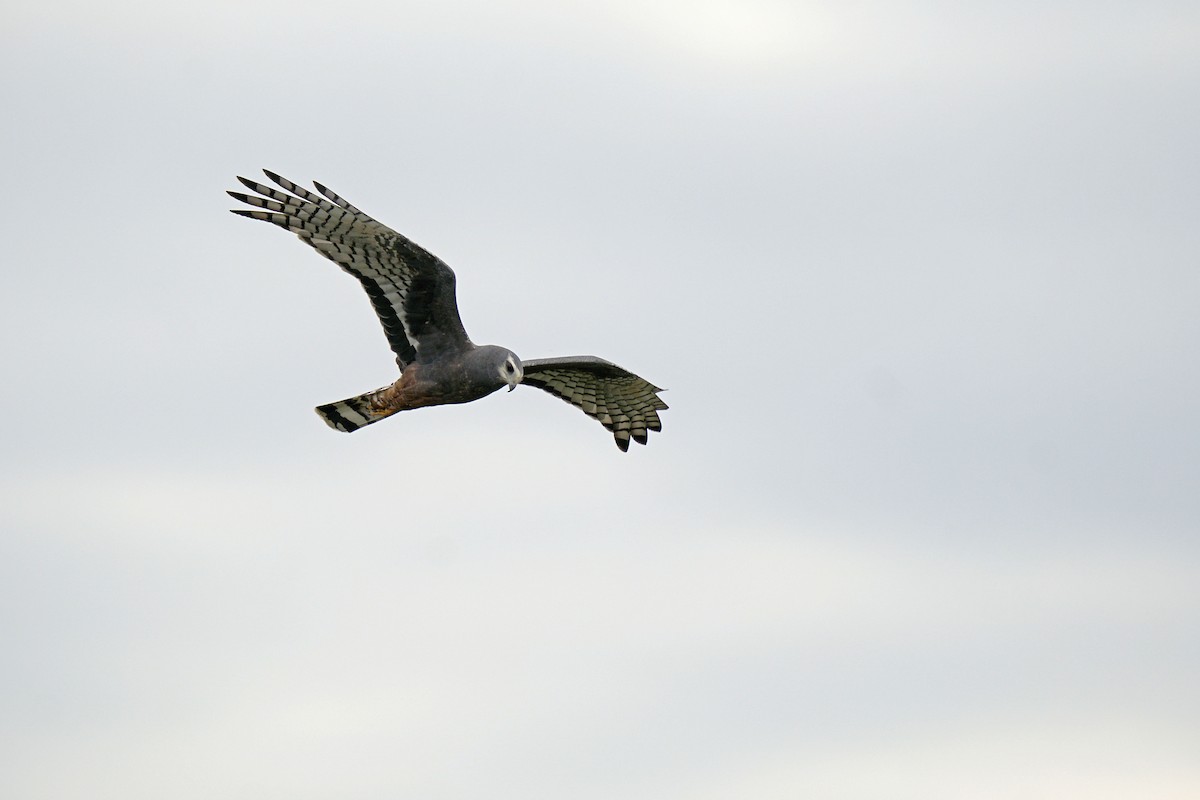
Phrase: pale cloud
{"type": "Point", "coordinates": [920, 281]}
{"type": "Point", "coordinates": [1105, 756]}
{"type": "Point", "coordinates": [734, 36]}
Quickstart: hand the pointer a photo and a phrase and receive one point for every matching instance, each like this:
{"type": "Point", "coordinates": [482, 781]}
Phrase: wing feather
{"type": "Point", "coordinates": [411, 290]}
{"type": "Point", "coordinates": [624, 403]}
{"type": "Point", "coordinates": [334, 198]}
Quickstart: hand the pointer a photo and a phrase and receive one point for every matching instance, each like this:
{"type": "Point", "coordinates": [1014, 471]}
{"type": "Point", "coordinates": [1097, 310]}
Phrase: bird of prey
{"type": "Point", "coordinates": [412, 292]}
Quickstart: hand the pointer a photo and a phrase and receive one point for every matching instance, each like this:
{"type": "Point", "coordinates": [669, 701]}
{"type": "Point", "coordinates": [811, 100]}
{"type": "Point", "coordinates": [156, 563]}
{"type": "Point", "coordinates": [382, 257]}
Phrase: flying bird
{"type": "Point", "coordinates": [412, 292]}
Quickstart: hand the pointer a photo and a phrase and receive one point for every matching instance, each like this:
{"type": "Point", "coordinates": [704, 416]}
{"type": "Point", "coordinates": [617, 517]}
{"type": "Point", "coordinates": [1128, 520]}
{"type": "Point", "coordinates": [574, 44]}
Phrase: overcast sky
{"type": "Point", "coordinates": [921, 279]}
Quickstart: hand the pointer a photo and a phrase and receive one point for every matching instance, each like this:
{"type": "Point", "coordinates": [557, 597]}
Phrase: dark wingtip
{"type": "Point", "coordinates": [623, 444]}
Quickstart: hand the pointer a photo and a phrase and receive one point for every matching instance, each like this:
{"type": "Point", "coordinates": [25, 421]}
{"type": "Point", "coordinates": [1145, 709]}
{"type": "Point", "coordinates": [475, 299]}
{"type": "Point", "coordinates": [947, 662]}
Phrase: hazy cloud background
{"type": "Point", "coordinates": [921, 278]}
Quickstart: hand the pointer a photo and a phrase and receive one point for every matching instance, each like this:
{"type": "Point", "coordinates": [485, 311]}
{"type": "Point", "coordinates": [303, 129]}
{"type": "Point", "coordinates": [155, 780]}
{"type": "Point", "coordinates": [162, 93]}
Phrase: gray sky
{"type": "Point", "coordinates": [922, 523]}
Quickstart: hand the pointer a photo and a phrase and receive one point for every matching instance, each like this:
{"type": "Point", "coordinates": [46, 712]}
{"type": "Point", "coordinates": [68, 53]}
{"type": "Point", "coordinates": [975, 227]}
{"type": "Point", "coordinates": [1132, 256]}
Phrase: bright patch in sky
{"type": "Point", "coordinates": [742, 33]}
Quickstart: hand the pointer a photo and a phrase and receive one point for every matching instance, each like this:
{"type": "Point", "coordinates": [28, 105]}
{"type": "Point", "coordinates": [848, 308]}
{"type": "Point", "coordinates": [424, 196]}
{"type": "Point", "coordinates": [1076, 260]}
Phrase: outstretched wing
{"type": "Point", "coordinates": [411, 289]}
{"type": "Point", "coordinates": [624, 403]}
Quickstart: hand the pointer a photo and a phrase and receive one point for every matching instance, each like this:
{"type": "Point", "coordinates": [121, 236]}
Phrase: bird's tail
{"type": "Point", "coordinates": [355, 412]}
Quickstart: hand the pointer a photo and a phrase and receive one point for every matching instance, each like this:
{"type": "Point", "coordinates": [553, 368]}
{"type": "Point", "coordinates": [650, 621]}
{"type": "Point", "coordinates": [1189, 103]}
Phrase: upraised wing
{"type": "Point", "coordinates": [411, 289]}
{"type": "Point", "coordinates": [624, 403]}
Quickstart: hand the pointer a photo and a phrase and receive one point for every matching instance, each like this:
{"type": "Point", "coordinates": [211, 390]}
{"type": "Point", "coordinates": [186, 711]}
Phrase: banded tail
{"type": "Point", "coordinates": [353, 413]}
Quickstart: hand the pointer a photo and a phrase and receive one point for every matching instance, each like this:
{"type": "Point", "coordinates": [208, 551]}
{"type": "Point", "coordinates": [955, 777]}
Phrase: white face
{"type": "Point", "coordinates": [511, 372]}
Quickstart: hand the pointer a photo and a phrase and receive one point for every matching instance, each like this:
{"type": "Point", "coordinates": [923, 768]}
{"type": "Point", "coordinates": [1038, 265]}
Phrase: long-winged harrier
{"type": "Point", "coordinates": [412, 291]}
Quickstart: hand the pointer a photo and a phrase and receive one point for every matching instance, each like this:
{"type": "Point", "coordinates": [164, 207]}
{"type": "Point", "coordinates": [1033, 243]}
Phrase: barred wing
{"type": "Point", "coordinates": [411, 289]}
{"type": "Point", "coordinates": [624, 403]}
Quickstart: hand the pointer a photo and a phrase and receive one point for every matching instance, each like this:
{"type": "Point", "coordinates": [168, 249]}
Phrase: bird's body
{"type": "Point", "coordinates": [424, 384]}
{"type": "Point", "coordinates": [437, 383]}
{"type": "Point", "coordinates": [413, 294]}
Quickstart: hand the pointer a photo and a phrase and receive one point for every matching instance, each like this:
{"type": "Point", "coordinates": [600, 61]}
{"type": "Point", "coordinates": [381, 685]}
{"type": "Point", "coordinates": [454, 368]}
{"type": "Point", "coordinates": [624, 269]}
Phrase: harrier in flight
{"type": "Point", "coordinates": [412, 292]}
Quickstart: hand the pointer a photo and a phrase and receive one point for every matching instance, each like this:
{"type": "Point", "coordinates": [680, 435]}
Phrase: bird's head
{"type": "Point", "coordinates": [511, 371]}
